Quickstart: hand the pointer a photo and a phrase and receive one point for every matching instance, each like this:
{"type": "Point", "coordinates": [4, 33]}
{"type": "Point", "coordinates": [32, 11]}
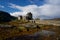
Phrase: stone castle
{"type": "Point", "coordinates": [28, 16]}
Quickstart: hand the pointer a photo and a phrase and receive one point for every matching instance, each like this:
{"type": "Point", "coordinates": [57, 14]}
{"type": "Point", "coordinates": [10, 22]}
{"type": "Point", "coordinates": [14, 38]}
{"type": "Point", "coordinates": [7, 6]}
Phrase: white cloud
{"type": "Point", "coordinates": [49, 10]}
{"type": "Point", "coordinates": [1, 6]}
{"type": "Point", "coordinates": [30, 8]}
{"type": "Point", "coordinates": [15, 6]}
{"type": "Point", "coordinates": [53, 2]}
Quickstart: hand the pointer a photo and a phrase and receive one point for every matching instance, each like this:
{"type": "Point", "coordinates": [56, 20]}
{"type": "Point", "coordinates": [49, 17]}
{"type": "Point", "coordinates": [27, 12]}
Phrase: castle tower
{"type": "Point", "coordinates": [29, 16]}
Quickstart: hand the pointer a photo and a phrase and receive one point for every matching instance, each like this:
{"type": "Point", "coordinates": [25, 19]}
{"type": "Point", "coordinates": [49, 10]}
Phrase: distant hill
{"type": "Point", "coordinates": [56, 19]}
{"type": "Point", "coordinates": [5, 17]}
{"type": "Point", "coordinates": [53, 19]}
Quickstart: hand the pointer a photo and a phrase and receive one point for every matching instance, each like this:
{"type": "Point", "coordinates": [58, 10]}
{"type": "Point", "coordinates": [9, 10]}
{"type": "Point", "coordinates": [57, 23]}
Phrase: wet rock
{"type": "Point", "coordinates": [45, 33]}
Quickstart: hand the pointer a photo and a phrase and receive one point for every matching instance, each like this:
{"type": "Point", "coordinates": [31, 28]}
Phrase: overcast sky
{"type": "Point", "coordinates": [44, 9]}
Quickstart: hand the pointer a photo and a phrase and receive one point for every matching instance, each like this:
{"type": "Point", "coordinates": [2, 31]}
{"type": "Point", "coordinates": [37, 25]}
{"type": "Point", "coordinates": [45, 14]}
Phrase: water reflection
{"type": "Point", "coordinates": [45, 33]}
{"type": "Point", "coordinates": [36, 36]}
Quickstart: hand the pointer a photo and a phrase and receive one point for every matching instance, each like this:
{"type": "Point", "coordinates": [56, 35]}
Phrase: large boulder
{"type": "Point", "coordinates": [5, 16]}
